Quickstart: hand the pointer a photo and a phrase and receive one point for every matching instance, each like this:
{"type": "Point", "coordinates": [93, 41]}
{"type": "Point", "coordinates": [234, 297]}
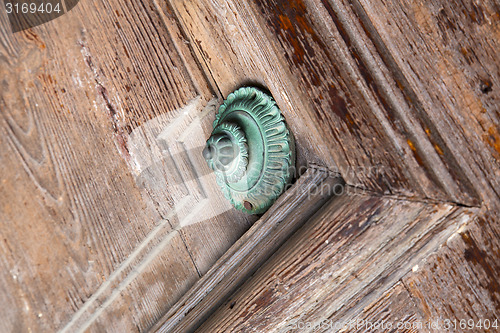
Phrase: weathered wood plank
{"type": "Point", "coordinates": [419, 79]}
{"type": "Point", "coordinates": [69, 217]}
{"type": "Point", "coordinates": [144, 290]}
{"type": "Point", "coordinates": [338, 263]}
{"type": "Point", "coordinates": [401, 98]}
{"type": "Point", "coordinates": [355, 112]}
{"type": "Point", "coordinates": [389, 104]}
{"type": "Point", "coordinates": [84, 229]}
{"type": "Point", "coordinates": [455, 285]}
{"type": "Point", "coordinates": [291, 210]}
{"type": "Point", "coordinates": [233, 56]}
{"type": "Point", "coordinates": [394, 311]}
{"type": "Point", "coordinates": [445, 56]}
{"type": "Point", "coordinates": [460, 281]}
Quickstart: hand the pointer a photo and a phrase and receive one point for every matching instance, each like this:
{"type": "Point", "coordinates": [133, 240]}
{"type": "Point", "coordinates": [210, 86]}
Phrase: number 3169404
{"type": "Point", "coordinates": [32, 8]}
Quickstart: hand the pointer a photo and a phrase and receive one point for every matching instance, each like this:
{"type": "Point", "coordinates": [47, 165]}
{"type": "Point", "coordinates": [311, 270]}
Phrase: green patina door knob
{"type": "Point", "coordinates": [251, 150]}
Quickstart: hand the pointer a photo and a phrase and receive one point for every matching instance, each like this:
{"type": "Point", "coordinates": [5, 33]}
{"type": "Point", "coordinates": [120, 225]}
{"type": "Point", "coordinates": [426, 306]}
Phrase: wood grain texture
{"type": "Point", "coordinates": [325, 72]}
{"type": "Point", "coordinates": [338, 263]}
{"type": "Point", "coordinates": [86, 228]}
{"type": "Point", "coordinates": [109, 214]}
{"type": "Point", "coordinates": [446, 56]}
{"type": "Point", "coordinates": [289, 212]}
{"type": "Point", "coordinates": [390, 313]}
{"type": "Point", "coordinates": [457, 282]}
{"type": "Point", "coordinates": [461, 280]}
{"type": "Point", "coordinates": [404, 99]}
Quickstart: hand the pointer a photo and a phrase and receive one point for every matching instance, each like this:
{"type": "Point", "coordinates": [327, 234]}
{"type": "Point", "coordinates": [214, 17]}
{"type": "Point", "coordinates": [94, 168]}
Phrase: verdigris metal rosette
{"type": "Point", "coordinates": [251, 150]}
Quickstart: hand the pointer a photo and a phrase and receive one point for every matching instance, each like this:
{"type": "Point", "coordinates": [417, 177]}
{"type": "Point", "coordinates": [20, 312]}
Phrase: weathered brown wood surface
{"type": "Point", "coordinates": [403, 96]}
{"type": "Point", "coordinates": [325, 71]}
{"type": "Point", "coordinates": [94, 194]}
{"type": "Point", "coordinates": [344, 259]}
{"type": "Point", "coordinates": [108, 214]}
{"type": "Point", "coordinates": [311, 191]}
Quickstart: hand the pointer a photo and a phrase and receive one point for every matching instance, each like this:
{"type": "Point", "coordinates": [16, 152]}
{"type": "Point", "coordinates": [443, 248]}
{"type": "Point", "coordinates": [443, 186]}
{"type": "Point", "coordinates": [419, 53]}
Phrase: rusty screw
{"type": "Point", "coordinates": [247, 205]}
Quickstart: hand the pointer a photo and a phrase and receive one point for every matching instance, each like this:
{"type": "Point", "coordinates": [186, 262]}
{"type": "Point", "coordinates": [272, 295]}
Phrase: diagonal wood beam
{"type": "Point", "coordinates": [315, 187]}
{"type": "Point", "coordinates": [342, 260]}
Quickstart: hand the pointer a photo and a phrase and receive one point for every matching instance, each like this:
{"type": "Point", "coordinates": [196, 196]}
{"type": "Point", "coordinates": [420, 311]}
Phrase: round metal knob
{"type": "Point", "coordinates": [226, 152]}
{"type": "Point", "coordinates": [250, 150]}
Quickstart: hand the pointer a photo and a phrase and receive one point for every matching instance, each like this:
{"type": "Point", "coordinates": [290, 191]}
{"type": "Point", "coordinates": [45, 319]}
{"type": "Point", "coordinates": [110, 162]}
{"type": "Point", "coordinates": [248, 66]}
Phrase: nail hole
{"type": "Point", "coordinates": [485, 86]}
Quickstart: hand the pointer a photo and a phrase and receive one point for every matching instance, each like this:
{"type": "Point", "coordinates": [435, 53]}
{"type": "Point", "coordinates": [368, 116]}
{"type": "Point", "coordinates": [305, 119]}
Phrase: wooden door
{"type": "Point", "coordinates": [111, 221]}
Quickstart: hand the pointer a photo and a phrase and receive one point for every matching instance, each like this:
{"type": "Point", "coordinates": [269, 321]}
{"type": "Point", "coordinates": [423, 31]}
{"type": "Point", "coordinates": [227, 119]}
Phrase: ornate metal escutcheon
{"type": "Point", "coordinates": [251, 150]}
